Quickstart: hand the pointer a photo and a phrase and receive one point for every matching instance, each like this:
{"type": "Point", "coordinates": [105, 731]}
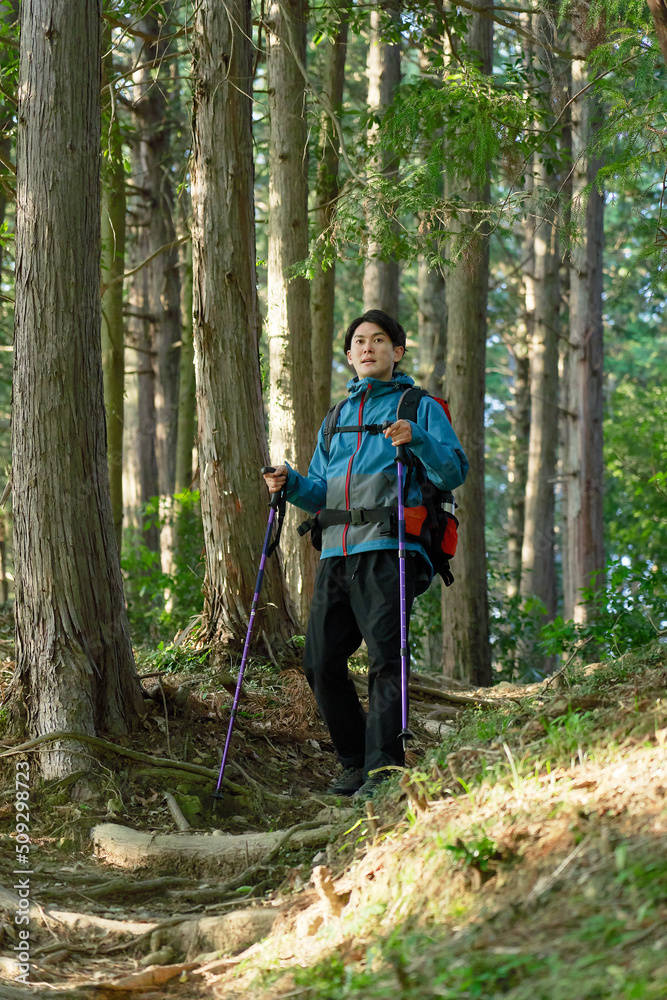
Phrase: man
{"type": "Point", "coordinates": [352, 482]}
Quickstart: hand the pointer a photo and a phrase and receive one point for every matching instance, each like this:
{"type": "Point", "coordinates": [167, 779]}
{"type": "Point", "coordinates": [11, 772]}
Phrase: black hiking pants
{"type": "Point", "coordinates": [357, 597]}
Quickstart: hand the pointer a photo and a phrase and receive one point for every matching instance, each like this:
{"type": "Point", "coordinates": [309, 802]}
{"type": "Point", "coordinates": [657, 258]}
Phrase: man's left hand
{"type": "Point", "coordinates": [399, 432]}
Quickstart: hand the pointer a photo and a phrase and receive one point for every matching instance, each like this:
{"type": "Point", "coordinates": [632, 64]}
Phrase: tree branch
{"type": "Point", "coordinates": [128, 274]}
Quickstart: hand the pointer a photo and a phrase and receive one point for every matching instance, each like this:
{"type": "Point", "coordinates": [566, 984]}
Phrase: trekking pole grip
{"type": "Point", "coordinates": [275, 497]}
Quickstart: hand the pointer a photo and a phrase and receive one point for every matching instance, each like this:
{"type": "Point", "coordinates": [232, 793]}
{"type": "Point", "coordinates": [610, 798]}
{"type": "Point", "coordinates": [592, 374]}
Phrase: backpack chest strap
{"type": "Point", "coordinates": [357, 428]}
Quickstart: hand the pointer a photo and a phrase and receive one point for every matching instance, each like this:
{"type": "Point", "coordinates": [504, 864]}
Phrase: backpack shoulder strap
{"type": "Point", "coordinates": [330, 422]}
{"type": "Point", "coordinates": [409, 402]}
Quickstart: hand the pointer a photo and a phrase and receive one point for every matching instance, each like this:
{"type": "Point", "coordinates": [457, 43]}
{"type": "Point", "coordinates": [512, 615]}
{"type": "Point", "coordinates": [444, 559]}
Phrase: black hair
{"type": "Point", "coordinates": [390, 326]}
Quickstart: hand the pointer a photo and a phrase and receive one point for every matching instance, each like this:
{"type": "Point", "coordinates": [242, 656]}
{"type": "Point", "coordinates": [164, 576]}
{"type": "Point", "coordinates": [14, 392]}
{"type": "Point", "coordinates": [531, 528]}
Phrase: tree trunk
{"type": "Point", "coordinates": [162, 274]}
{"type": "Point", "coordinates": [538, 576]}
{"type": "Point", "coordinates": [466, 651]}
{"type": "Point", "coordinates": [113, 332]}
{"type": "Point", "coordinates": [517, 346]}
{"type": "Point", "coordinates": [232, 439]}
{"type": "Point", "coordinates": [381, 272]}
{"type": "Point", "coordinates": [583, 555]}
{"type": "Point", "coordinates": [74, 664]}
{"type": "Point", "coordinates": [10, 14]}
{"type": "Point", "coordinates": [432, 324]}
{"type": "Point", "coordinates": [431, 293]}
{"type": "Point", "coordinates": [187, 396]}
{"type": "Point", "coordinates": [291, 423]}
{"type": "Point", "coordinates": [139, 329]}
{"type": "Point", "coordinates": [518, 453]}
{"type": "Point", "coordinates": [538, 569]}
{"type": "Point", "coordinates": [326, 192]}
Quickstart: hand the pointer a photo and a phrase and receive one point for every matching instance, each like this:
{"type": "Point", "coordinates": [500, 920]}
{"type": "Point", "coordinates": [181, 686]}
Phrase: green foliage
{"type": "Point", "coordinates": [568, 733]}
{"type": "Point", "coordinates": [173, 659]}
{"type": "Point", "coordinates": [515, 626]}
{"type": "Point", "coordinates": [635, 460]}
{"type": "Point", "coordinates": [479, 853]}
{"type": "Point", "coordinates": [626, 612]}
{"type": "Point", "coordinates": [160, 603]}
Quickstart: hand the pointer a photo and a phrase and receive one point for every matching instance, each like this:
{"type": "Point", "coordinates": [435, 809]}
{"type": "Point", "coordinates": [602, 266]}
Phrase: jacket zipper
{"type": "Point", "coordinates": [349, 469]}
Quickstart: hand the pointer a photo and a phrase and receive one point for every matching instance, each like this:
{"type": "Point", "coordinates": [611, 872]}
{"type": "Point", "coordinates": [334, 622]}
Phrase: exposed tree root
{"type": "Point", "coordinates": [225, 854]}
{"type": "Point", "coordinates": [145, 758]}
{"type": "Point", "coordinates": [121, 887]}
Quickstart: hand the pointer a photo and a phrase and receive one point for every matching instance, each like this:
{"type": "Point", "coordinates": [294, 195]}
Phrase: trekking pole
{"type": "Point", "coordinates": [405, 734]}
{"type": "Point", "coordinates": [273, 507]}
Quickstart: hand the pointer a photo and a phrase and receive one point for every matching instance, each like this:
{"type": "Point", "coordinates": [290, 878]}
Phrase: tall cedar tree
{"type": "Point", "coordinates": [538, 570]}
{"type": "Point", "coordinates": [326, 192]}
{"type": "Point", "coordinates": [113, 324]}
{"type": "Point", "coordinates": [162, 273]}
{"type": "Point", "coordinates": [466, 651]}
{"type": "Point", "coordinates": [583, 554]}
{"type": "Point", "coordinates": [74, 664]}
{"type": "Point", "coordinates": [291, 420]}
{"type": "Point", "coordinates": [140, 327]}
{"type": "Point", "coordinates": [232, 438]}
{"type": "Point", "coordinates": [381, 272]}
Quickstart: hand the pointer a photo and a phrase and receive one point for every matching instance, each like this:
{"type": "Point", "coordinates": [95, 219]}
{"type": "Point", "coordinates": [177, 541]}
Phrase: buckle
{"type": "Point", "coordinates": [357, 516]}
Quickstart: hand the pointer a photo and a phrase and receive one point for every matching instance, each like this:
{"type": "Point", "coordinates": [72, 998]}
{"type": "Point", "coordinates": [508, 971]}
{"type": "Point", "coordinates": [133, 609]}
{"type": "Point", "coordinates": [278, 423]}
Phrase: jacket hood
{"type": "Point", "coordinates": [399, 379]}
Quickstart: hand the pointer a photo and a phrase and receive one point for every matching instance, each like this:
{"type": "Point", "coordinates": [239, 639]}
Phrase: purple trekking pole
{"type": "Point", "coordinates": [266, 552]}
{"type": "Point", "coordinates": [405, 733]}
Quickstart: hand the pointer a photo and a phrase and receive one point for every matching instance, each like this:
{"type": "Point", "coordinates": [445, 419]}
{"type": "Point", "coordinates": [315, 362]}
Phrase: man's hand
{"type": "Point", "coordinates": [276, 480]}
{"type": "Point", "coordinates": [399, 432]}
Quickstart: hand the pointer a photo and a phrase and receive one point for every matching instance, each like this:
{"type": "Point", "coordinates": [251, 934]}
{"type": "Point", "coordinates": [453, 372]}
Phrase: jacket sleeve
{"type": "Point", "coordinates": [437, 447]}
{"type": "Point", "coordinates": [310, 492]}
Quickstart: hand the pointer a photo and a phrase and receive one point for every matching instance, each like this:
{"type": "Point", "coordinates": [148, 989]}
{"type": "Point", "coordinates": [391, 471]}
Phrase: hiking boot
{"type": "Point", "coordinates": [369, 787]}
{"type": "Point", "coordinates": [349, 781]}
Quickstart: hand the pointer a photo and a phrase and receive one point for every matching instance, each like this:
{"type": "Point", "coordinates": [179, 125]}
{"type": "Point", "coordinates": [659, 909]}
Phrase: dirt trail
{"type": "Point", "coordinates": [520, 822]}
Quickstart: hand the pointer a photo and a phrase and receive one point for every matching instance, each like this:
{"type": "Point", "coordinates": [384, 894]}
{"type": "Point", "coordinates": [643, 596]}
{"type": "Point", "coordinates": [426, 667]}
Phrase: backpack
{"type": "Point", "coordinates": [433, 524]}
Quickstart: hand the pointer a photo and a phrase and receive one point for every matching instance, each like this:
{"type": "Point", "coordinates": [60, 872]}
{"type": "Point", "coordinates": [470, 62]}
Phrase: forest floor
{"type": "Point", "coordinates": [522, 855]}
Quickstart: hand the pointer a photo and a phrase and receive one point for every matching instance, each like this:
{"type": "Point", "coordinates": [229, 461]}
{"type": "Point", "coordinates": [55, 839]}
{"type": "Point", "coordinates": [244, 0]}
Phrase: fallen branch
{"type": "Point", "coordinates": [559, 673]}
{"type": "Point", "coordinates": [470, 701]}
{"type": "Point", "coordinates": [179, 819]}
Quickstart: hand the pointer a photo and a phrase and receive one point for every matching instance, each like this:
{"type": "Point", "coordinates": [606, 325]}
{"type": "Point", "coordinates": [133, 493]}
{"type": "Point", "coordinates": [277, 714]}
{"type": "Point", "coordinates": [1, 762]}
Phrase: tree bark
{"type": "Point", "coordinates": [232, 439]}
{"type": "Point", "coordinates": [466, 651]}
{"type": "Point", "coordinates": [162, 274]}
{"type": "Point", "coordinates": [431, 292]}
{"type": "Point", "coordinates": [538, 572]}
{"type": "Point", "coordinates": [381, 271]}
{"type": "Point", "coordinates": [583, 555]}
{"type": "Point", "coordinates": [538, 569]}
{"type": "Point", "coordinates": [291, 423]}
{"type": "Point", "coordinates": [518, 454]}
{"type": "Point", "coordinates": [113, 324]}
{"type": "Point", "coordinates": [432, 326]}
{"type": "Point", "coordinates": [187, 395]}
{"type": "Point", "coordinates": [326, 193]}
{"type": "Point", "coordinates": [517, 346]}
{"type": "Point", "coordinates": [74, 664]}
{"type": "Point", "coordinates": [139, 329]}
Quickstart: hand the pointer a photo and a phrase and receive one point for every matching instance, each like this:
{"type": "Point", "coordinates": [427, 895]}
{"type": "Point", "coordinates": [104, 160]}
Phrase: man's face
{"type": "Point", "coordinates": [372, 354]}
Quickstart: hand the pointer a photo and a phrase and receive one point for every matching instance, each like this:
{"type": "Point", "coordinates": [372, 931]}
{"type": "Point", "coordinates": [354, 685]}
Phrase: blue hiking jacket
{"type": "Point", "coordinates": [359, 470]}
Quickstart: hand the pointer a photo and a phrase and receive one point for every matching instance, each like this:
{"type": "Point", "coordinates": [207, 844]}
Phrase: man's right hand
{"type": "Point", "coordinates": [276, 480]}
